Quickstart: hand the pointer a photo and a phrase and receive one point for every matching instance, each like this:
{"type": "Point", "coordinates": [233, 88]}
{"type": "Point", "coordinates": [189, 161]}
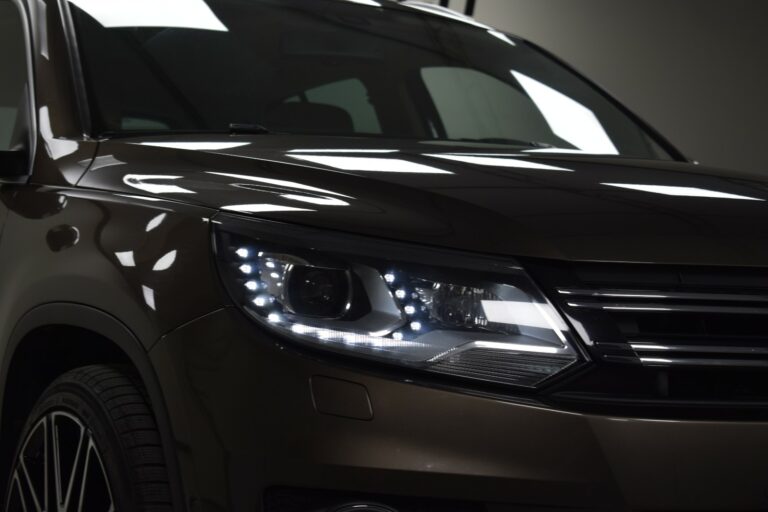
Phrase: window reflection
{"type": "Point", "coordinates": [192, 14]}
{"type": "Point", "coordinates": [568, 119]}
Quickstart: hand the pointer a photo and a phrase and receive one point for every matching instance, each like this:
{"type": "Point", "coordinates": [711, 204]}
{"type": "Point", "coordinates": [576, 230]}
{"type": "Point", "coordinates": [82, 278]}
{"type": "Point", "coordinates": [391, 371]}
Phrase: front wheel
{"type": "Point", "coordinates": [90, 444]}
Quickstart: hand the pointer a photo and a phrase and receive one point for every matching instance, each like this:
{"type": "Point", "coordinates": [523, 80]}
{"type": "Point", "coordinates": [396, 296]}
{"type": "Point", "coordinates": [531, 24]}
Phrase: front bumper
{"type": "Point", "coordinates": [246, 421]}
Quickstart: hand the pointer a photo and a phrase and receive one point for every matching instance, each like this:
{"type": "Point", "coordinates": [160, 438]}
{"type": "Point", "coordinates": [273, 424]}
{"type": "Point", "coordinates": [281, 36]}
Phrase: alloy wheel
{"type": "Point", "coordinates": [59, 469]}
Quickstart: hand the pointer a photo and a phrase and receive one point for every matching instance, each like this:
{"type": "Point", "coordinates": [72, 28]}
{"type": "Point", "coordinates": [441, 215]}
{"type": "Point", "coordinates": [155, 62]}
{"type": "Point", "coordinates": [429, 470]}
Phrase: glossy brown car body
{"type": "Point", "coordinates": [248, 420]}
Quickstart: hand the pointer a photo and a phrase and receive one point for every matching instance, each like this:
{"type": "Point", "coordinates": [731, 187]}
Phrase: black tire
{"type": "Point", "coordinates": [101, 417]}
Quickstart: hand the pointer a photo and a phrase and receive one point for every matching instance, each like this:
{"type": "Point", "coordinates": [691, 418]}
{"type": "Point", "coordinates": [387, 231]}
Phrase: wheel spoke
{"type": "Point", "coordinates": [63, 496]}
{"type": "Point", "coordinates": [16, 487]}
{"type": "Point", "coordinates": [40, 502]}
{"type": "Point", "coordinates": [94, 474]}
{"type": "Point", "coordinates": [85, 479]}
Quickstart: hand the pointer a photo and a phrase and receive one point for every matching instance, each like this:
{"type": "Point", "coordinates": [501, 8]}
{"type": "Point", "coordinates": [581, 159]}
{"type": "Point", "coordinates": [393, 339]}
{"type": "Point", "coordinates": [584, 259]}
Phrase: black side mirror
{"type": "Point", "coordinates": [13, 164]}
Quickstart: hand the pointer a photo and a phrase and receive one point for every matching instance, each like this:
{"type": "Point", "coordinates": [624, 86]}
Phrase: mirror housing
{"type": "Point", "coordinates": [13, 164]}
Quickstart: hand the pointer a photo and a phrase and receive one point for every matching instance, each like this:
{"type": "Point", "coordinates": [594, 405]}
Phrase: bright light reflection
{"type": "Point", "coordinates": [444, 12]}
{"type": "Point", "coordinates": [502, 36]}
{"type": "Point", "coordinates": [56, 148]}
{"type": "Point", "coordinates": [500, 162]}
{"type": "Point", "coordinates": [517, 347]}
{"type": "Point", "coordinates": [568, 119]}
{"type": "Point", "coordinates": [143, 182]}
{"type": "Point", "coordinates": [565, 151]}
{"type": "Point", "coordinates": [100, 162]}
{"type": "Point", "coordinates": [368, 164]}
{"type": "Point", "coordinates": [195, 146]}
{"type": "Point", "coordinates": [149, 296]}
{"type": "Point", "coordinates": [155, 222]}
{"type": "Point", "coordinates": [126, 258]}
{"type": "Point", "coordinates": [279, 183]}
{"type": "Point", "coordinates": [343, 151]}
{"type": "Point", "coordinates": [528, 314]}
{"type": "Point", "coordinates": [668, 190]}
{"type": "Point", "coordinates": [261, 208]}
{"type": "Point", "coordinates": [372, 3]}
{"type": "Point", "coordinates": [323, 201]}
{"type": "Point", "coordinates": [655, 360]}
{"type": "Point", "coordinates": [165, 262]}
{"type": "Point", "coordinates": [192, 14]}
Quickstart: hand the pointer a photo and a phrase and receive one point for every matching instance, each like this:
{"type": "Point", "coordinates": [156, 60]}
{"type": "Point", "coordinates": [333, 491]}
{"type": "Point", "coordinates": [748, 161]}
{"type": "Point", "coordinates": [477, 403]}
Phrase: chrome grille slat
{"type": "Point", "coordinates": [661, 295]}
{"type": "Point", "coordinates": [686, 325]}
{"type": "Point", "coordinates": [662, 307]}
{"type": "Point", "coordinates": [702, 349]}
{"type": "Point", "coordinates": [689, 361]}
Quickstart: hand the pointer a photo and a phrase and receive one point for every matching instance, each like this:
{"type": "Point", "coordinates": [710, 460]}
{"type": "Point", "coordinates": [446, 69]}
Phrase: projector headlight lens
{"type": "Point", "coordinates": [438, 311]}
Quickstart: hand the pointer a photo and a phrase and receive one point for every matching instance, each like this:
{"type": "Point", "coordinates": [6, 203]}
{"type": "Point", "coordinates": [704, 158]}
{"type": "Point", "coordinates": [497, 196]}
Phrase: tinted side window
{"type": "Point", "coordinates": [13, 72]}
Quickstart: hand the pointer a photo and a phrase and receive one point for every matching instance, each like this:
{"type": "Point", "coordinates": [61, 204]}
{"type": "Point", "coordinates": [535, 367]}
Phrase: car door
{"type": "Point", "coordinates": [14, 102]}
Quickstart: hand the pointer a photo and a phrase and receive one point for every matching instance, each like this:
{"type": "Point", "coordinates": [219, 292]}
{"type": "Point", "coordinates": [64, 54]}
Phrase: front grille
{"type": "Point", "coordinates": [658, 332]}
{"type": "Point", "coordinates": [691, 328]}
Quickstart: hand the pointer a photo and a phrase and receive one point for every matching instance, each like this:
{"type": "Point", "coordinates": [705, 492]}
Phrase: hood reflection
{"type": "Point", "coordinates": [196, 146]}
{"type": "Point", "coordinates": [277, 183]}
{"type": "Point", "coordinates": [494, 161]}
{"type": "Point", "coordinates": [262, 208]}
{"type": "Point", "coordinates": [141, 182]}
{"type": "Point", "coordinates": [370, 164]}
{"type": "Point", "coordinates": [668, 190]}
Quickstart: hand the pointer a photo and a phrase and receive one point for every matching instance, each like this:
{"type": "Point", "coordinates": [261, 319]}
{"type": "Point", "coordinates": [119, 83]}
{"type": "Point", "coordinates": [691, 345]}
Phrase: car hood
{"type": "Point", "coordinates": [482, 198]}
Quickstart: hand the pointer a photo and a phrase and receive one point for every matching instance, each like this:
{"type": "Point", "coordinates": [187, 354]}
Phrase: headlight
{"type": "Point", "coordinates": [434, 310]}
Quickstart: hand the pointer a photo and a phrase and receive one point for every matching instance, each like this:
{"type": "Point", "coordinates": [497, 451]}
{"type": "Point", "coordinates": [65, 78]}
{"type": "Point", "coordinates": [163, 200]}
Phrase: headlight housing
{"type": "Point", "coordinates": [434, 310]}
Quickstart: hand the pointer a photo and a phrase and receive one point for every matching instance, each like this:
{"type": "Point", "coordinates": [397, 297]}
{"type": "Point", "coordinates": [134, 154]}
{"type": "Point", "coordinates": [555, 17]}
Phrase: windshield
{"type": "Point", "coordinates": [336, 67]}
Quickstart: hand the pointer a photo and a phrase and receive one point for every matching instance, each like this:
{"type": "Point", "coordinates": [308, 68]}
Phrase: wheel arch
{"type": "Point", "coordinates": [80, 329]}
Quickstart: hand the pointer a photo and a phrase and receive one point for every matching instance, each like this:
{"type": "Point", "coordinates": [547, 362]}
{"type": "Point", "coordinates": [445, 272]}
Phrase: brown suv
{"type": "Point", "coordinates": [359, 255]}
